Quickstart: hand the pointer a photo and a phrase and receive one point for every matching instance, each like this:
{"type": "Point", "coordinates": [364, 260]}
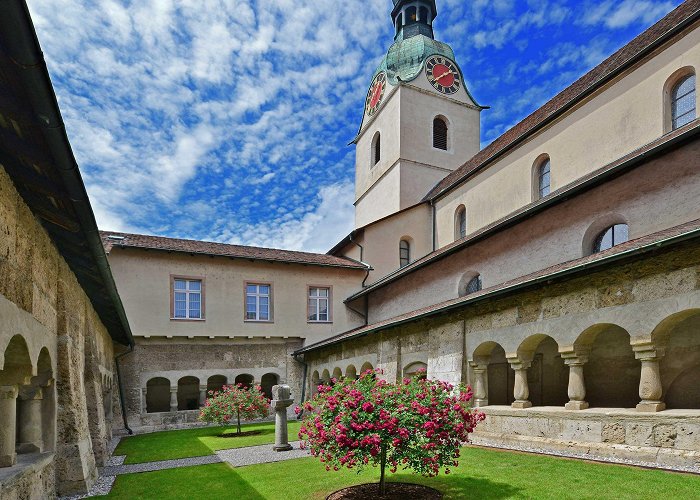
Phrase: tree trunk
{"type": "Point", "coordinates": [382, 481]}
{"type": "Point", "coordinates": [238, 427]}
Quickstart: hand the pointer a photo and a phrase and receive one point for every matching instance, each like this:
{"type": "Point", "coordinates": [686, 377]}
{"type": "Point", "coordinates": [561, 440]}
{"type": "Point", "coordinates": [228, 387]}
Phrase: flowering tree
{"type": "Point", "coordinates": [417, 425]}
{"type": "Point", "coordinates": [235, 401]}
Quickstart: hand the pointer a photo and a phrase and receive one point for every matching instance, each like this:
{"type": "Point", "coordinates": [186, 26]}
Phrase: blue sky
{"type": "Point", "coordinates": [228, 120]}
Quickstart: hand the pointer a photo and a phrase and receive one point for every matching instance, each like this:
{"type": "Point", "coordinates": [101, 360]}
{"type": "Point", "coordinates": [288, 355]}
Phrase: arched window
{"type": "Point", "coordinates": [474, 285]}
{"type": "Point", "coordinates": [423, 17]}
{"type": "Point", "coordinates": [460, 223]}
{"type": "Point", "coordinates": [683, 103]}
{"type": "Point", "coordinates": [399, 23]}
{"type": "Point", "coordinates": [544, 176]}
{"type": "Point", "coordinates": [376, 148]}
{"type": "Point", "coordinates": [404, 253]}
{"type": "Point", "coordinates": [440, 130]}
{"type": "Point", "coordinates": [612, 236]}
{"type": "Point", "coordinates": [411, 15]}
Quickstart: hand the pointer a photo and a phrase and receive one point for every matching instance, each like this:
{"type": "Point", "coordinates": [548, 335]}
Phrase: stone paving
{"type": "Point", "coordinates": [236, 457]}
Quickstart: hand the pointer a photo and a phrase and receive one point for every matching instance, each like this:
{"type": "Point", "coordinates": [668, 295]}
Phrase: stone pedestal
{"type": "Point", "coordinates": [521, 390]}
{"type": "Point", "coordinates": [481, 385]}
{"type": "Point", "coordinates": [202, 395]}
{"type": "Point", "coordinates": [281, 400]}
{"type": "Point", "coordinates": [8, 414]}
{"type": "Point", "coordinates": [30, 424]}
{"type": "Point", "coordinates": [650, 388]}
{"type": "Point", "coordinates": [173, 399]}
{"type": "Point", "coordinates": [577, 383]}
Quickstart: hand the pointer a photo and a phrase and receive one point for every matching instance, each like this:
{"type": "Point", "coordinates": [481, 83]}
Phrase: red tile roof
{"type": "Point", "coordinates": [674, 235]}
{"type": "Point", "coordinates": [126, 240]}
{"type": "Point", "coordinates": [684, 14]}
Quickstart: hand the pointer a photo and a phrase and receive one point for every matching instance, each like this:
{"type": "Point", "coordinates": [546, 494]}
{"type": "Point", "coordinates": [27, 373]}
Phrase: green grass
{"type": "Point", "coordinates": [170, 445]}
{"type": "Point", "coordinates": [483, 474]}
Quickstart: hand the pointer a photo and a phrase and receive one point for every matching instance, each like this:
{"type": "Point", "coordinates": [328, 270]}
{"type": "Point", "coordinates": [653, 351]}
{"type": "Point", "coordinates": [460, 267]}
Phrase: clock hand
{"type": "Point", "coordinates": [448, 72]}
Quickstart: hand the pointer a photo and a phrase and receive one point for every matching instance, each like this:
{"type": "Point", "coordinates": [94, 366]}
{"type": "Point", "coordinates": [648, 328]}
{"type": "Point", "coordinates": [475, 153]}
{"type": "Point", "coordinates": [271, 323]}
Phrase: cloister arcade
{"type": "Point", "coordinates": [27, 401]}
{"type": "Point", "coordinates": [186, 392]}
{"type": "Point", "coordinates": [605, 367]}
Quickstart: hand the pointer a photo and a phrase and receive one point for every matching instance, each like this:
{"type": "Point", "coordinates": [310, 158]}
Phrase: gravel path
{"type": "Point", "coordinates": [239, 457]}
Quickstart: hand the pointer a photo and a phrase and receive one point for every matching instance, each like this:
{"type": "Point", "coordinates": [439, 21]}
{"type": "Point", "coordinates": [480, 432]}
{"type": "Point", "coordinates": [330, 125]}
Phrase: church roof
{"type": "Point", "coordinates": [667, 238]}
{"type": "Point", "coordinates": [641, 46]}
{"type": "Point", "coordinates": [112, 239]}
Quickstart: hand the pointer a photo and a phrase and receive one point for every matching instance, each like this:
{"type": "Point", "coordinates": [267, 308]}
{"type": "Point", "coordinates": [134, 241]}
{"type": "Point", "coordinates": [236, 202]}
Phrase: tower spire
{"type": "Point", "coordinates": [413, 17]}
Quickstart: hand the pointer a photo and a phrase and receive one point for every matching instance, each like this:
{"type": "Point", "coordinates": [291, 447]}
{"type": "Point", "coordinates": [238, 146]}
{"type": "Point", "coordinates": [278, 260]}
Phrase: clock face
{"type": "Point", "coordinates": [375, 94]}
{"type": "Point", "coordinates": [443, 74]}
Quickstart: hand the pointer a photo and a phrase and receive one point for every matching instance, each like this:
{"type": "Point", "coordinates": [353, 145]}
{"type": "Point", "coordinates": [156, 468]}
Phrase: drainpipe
{"type": "Point", "coordinates": [303, 384]}
{"type": "Point", "coordinates": [121, 386]}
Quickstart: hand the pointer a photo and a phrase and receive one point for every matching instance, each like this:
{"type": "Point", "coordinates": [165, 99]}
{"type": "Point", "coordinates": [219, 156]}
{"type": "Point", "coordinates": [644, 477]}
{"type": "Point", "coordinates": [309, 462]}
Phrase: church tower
{"type": "Point", "coordinates": [419, 121]}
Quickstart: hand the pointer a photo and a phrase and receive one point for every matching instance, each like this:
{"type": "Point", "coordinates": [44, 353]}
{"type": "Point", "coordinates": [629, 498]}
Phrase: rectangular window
{"type": "Point", "coordinates": [187, 298]}
{"type": "Point", "coordinates": [319, 304]}
{"type": "Point", "coordinates": [258, 302]}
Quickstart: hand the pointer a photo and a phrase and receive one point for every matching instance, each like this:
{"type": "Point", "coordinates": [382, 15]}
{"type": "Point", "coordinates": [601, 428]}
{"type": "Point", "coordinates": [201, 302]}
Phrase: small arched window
{"type": "Point", "coordinates": [423, 17]}
{"type": "Point", "coordinates": [376, 148]}
{"type": "Point", "coordinates": [404, 253]}
{"type": "Point", "coordinates": [440, 130]}
{"type": "Point", "coordinates": [411, 15]}
{"type": "Point", "coordinates": [612, 236]}
{"type": "Point", "coordinates": [683, 102]}
{"type": "Point", "coordinates": [461, 223]}
{"type": "Point", "coordinates": [544, 178]}
{"type": "Point", "coordinates": [474, 285]}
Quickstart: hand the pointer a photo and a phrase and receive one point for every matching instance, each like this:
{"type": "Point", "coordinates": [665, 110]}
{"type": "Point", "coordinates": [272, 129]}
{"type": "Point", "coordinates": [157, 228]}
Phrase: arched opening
{"type": "Point", "coordinates": [542, 174]}
{"type": "Point", "coordinates": [680, 366]}
{"type": "Point", "coordinates": [44, 380]}
{"type": "Point", "coordinates": [499, 374]}
{"type": "Point", "coordinates": [244, 379]}
{"type": "Point", "coordinates": [351, 372]}
{"type": "Point", "coordinates": [376, 148]}
{"type": "Point", "coordinates": [326, 377]}
{"type": "Point", "coordinates": [268, 381]}
{"type": "Point", "coordinates": [337, 373]}
{"type": "Point", "coordinates": [612, 373]}
{"type": "Point", "coordinates": [440, 133]}
{"type": "Point", "coordinates": [366, 367]}
{"type": "Point", "coordinates": [188, 393]}
{"type": "Point", "coordinates": [399, 23]}
{"type": "Point", "coordinates": [423, 15]}
{"type": "Point", "coordinates": [592, 238]}
{"type": "Point", "coordinates": [158, 395]}
{"type": "Point", "coordinates": [469, 283]}
{"type": "Point", "coordinates": [683, 103]}
{"type": "Point", "coordinates": [417, 369]}
{"type": "Point", "coordinates": [548, 376]}
{"type": "Point", "coordinates": [216, 383]}
{"type": "Point", "coordinates": [611, 237]}
{"type": "Point", "coordinates": [411, 15]}
{"type": "Point", "coordinates": [404, 253]}
{"type": "Point", "coordinates": [17, 370]}
{"type": "Point", "coordinates": [461, 222]}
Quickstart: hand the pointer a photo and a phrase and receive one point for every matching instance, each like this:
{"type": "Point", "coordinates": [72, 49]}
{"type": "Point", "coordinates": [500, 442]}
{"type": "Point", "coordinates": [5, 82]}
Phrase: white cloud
{"type": "Point", "coordinates": [622, 14]}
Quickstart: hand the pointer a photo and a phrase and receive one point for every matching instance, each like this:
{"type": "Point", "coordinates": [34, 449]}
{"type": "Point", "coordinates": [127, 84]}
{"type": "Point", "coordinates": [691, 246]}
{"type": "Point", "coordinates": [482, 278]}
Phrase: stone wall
{"type": "Point", "coordinates": [171, 360]}
{"type": "Point", "coordinates": [54, 344]}
{"type": "Point", "coordinates": [628, 335]}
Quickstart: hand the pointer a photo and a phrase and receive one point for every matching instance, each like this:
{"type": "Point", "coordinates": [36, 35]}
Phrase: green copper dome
{"type": "Point", "coordinates": [405, 58]}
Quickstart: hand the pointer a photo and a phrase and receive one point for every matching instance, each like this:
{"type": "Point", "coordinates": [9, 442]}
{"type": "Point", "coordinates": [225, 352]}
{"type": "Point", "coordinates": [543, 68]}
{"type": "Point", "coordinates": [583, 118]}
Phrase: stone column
{"type": "Point", "coordinates": [481, 384]}
{"type": "Point", "coordinates": [521, 391]}
{"type": "Point", "coordinates": [202, 395]}
{"type": "Point", "coordinates": [650, 388]}
{"type": "Point", "coordinates": [281, 400]}
{"type": "Point", "coordinates": [577, 383]}
{"type": "Point", "coordinates": [144, 401]}
{"type": "Point", "coordinates": [8, 414]}
{"type": "Point", "coordinates": [30, 424]}
{"type": "Point", "coordinates": [173, 398]}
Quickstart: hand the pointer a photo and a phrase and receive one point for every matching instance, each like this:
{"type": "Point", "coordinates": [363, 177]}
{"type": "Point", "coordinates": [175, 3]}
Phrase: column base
{"type": "Point", "coordinates": [173, 410]}
{"type": "Point", "coordinates": [283, 447]}
{"type": "Point", "coordinates": [576, 405]}
{"type": "Point", "coordinates": [521, 404]}
{"type": "Point", "coordinates": [23, 448]}
{"type": "Point", "coordinates": [481, 402]}
{"type": "Point", "coordinates": [8, 460]}
{"type": "Point", "coordinates": [651, 406]}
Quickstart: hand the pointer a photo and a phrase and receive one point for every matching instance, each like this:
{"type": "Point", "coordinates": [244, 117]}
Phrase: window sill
{"type": "Point", "coordinates": [266, 321]}
{"type": "Point", "coordinates": [188, 320]}
{"type": "Point", "coordinates": [319, 322]}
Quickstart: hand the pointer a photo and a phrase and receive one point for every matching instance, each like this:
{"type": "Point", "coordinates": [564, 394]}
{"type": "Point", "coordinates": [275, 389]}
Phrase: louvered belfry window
{"type": "Point", "coordinates": [440, 134]}
{"type": "Point", "coordinates": [377, 150]}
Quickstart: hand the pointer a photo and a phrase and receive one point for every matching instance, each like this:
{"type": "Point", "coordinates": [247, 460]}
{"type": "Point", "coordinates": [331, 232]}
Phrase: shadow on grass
{"type": "Point", "coordinates": [455, 486]}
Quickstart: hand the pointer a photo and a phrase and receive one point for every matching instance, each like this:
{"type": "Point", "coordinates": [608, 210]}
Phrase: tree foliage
{"type": "Point", "coordinates": [235, 403]}
{"type": "Point", "coordinates": [416, 425]}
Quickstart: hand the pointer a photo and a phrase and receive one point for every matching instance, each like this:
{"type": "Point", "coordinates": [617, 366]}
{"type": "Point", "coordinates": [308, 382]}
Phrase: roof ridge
{"type": "Point", "coordinates": [570, 95]}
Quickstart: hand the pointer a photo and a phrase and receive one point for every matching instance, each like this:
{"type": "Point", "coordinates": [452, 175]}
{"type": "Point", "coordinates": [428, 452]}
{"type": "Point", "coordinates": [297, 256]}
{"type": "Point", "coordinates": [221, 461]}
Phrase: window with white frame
{"type": "Point", "coordinates": [187, 298]}
{"type": "Point", "coordinates": [258, 302]}
{"type": "Point", "coordinates": [319, 304]}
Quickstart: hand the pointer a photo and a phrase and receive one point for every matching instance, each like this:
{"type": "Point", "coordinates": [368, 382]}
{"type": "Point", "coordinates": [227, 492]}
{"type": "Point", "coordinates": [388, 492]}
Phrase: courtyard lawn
{"type": "Point", "coordinates": [168, 445]}
{"type": "Point", "coordinates": [481, 474]}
